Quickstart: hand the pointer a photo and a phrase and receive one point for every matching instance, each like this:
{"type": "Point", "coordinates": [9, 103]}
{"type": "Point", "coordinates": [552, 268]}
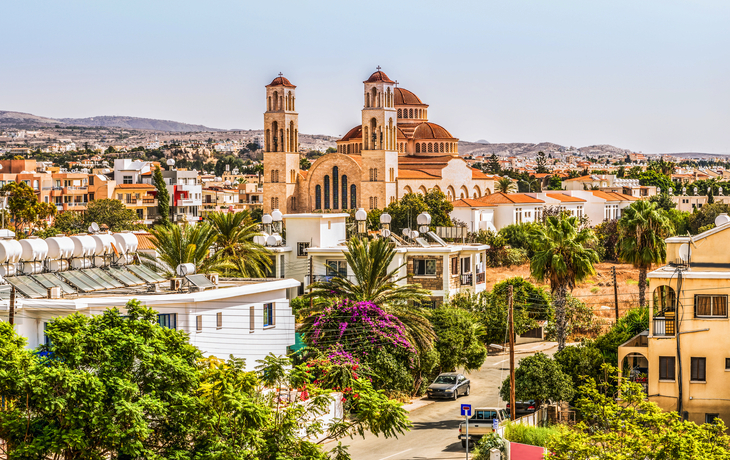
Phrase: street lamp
{"type": "Point", "coordinates": [424, 220]}
{"type": "Point", "coordinates": [385, 224]}
{"type": "Point", "coordinates": [361, 217]}
{"type": "Point", "coordinates": [277, 217]}
{"type": "Point", "coordinates": [266, 221]}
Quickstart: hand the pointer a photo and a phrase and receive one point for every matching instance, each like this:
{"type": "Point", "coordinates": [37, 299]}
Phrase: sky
{"type": "Point", "coordinates": [650, 76]}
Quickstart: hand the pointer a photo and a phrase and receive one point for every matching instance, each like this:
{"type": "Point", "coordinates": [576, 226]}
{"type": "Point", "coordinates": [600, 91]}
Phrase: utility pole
{"type": "Point", "coordinates": [512, 404]}
{"type": "Point", "coordinates": [311, 280]}
{"type": "Point", "coordinates": [11, 312]}
{"type": "Point", "coordinates": [615, 291]}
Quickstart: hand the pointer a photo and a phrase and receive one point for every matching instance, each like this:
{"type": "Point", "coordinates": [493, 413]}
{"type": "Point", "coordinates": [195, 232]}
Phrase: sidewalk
{"type": "Point", "coordinates": [530, 348]}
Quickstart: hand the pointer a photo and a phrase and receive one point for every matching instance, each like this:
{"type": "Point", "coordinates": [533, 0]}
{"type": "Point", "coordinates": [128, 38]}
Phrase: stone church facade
{"type": "Point", "coordinates": [394, 151]}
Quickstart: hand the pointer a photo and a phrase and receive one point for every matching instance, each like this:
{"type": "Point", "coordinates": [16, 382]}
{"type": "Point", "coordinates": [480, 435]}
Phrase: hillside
{"type": "Point", "coordinates": [137, 123]}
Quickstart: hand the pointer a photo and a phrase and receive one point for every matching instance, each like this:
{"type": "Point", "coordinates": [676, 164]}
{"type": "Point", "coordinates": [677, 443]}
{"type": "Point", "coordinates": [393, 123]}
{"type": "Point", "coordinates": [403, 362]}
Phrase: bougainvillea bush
{"type": "Point", "coordinates": [362, 332]}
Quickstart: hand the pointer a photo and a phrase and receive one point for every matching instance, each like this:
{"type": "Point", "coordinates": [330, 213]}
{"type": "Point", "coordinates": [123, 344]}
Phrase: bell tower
{"type": "Point", "coordinates": [281, 146]}
{"type": "Point", "coordinates": [379, 142]}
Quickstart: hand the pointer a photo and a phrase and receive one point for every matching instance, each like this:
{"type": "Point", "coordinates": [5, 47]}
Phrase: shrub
{"type": "Point", "coordinates": [487, 443]}
{"type": "Point", "coordinates": [531, 435]}
{"type": "Point", "coordinates": [594, 290]}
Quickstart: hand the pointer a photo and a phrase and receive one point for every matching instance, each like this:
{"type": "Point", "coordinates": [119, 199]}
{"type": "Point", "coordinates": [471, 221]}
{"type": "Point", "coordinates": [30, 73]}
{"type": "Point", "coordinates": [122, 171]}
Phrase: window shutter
{"type": "Point", "coordinates": [272, 320]}
{"type": "Point", "coordinates": [252, 321]}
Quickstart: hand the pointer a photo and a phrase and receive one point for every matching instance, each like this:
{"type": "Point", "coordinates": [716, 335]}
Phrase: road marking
{"type": "Point", "coordinates": [504, 360]}
{"type": "Point", "coordinates": [390, 456]}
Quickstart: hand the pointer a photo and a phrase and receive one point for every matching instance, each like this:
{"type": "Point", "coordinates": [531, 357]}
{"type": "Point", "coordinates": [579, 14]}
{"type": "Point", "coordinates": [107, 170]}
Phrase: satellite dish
{"type": "Point", "coordinates": [695, 190]}
{"type": "Point", "coordinates": [170, 162]}
{"type": "Point", "coordinates": [684, 252]}
{"type": "Point", "coordinates": [722, 219]}
{"type": "Point", "coordinates": [414, 234]}
{"type": "Point", "coordinates": [406, 232]}
{"type": "Point", "coordinates": [385, 232]}
{"type": "Point", "coordinates": [185, 269]}
{"type": "Point", "coordinates": [719, 191]}
{"type": "Point", "coordinates": [94, 227]}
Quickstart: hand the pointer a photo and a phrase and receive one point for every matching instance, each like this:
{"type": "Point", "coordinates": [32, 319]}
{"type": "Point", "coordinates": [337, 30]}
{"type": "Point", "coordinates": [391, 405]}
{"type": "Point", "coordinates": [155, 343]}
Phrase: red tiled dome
{"type": "Point", "coordinates": [354, 133]}
{"type": "Point", "coordinates": [281, 81]}
{"type": "Point", "coordinates": [378, 76]}
{"type": "Point", "coordinates": [431, 131]}
{"type": "Point", "coordinates": [405, 97]}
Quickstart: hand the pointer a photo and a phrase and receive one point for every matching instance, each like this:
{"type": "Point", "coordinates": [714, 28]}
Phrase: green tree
{"type": "Point", "coordinates": [539, 378]}
{"type": "Point", "coordinates": [656, 179]}
{"type": "Point", "coordinates": [229, 160]}
{"type": "Point", "coordinates": [69, 222]}
{"type": "Point", "coordinates": [642, 230]}
{"type": "Point", "coordinates": [563, 256]}
{"type": "Point", "coordinates": [663, 201]}
{"type": "Point", "coordinates": [492, 166]}
{"type": "Point", "coordinates": [439, 208]}
{"type": "Point", "coordinates": [680, 221]}
{"type": "Point", "coordinates": [304, 164]}
{"type": "Point", "coordinates": [163, 197]}
{"type": "Point", "coordinates": [458, 341]}
{"type": "Point", "coordinates": [111, 213]}
{"type": "Point", "coordinates": [505, 185]}
{"type": "Point", "coordinates": [555, 183]}
{"type": "Point", "coordinates": [580, 363]}
{"type": "Point", "coordinates": [26, 212]}
{"type": "Point", "coordinates": [405, 211]}
{"type": "Point", "coordinates": [235, 244]}
{"type": "Point", "coordinates": [541, 162]}
{"type": "Point", "coordinates": [633, 427]}
{"type": "Point", "coordinates": [705, 216]}
{"type": "Point", "coordinates": [184, 244]}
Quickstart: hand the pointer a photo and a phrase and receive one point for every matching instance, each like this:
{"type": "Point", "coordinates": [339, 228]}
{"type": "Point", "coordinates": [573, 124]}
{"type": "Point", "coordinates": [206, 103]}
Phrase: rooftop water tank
{"type": "Point", "coordinates": [60, 247]}
{"type": "Point", "coordinates": [126, 242]}
{"type": "Point", "coordinates": [84, 245]}
{"type": "Point", "coordinates": [33, 249]}
{"type": "Point", "coordinates": [104, 243]}
{"type": "Point", "coordinates": [10, 251]}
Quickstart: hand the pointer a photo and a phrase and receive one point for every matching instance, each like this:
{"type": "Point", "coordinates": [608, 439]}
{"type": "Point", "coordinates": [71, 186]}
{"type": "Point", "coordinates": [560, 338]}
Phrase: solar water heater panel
{"type": "Point", "coordinates": [48, 280]}
{"type": "Point", "coordinates": [105, 276]}
{"type": "Point", "coordinates": [200, 281]}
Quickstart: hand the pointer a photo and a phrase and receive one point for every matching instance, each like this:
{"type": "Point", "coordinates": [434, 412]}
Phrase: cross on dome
{"type": "Point", "coordinates": [378, 67]}
{"type": "Point", "coordinates": [281, 74]}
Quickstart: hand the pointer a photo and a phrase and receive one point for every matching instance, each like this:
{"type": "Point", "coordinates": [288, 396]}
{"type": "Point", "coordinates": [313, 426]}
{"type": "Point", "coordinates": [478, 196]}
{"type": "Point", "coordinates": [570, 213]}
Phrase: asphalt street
{"type": "Point", "coordinates": [435, 427]}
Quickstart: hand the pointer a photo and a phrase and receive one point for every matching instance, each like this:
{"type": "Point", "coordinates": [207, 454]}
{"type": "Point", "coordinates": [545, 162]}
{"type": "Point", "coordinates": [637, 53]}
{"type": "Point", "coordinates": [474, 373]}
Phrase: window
{"type": "Point", "coordinates": [666, 368]}
{"type": "Point", "coordinates": [168, 320]}
{"type": "Point", "coordinates": [269, 315]}
{"type": "Point", "coordinates": [198, 323]}
{"type": "Point", "coordinates": [302, 249]}
{"type": "Point", "coordinates": [710, 418]}
{"type": "Point", "coordinates": [251, 318]}
{"type": "Point", "coordinates": [46, 340]}
{"type": "Point", "coordinates": [424, 267]}
{"type": "Point", "coordinates": [218, 320]}
{"type": "Point", "coordinates": [337, 268]}
{"type": "Point", "coordinates": [727, 364]}
{"type": "Point", "coordinates": [711, 305]}
{"type": "Point", "coordinates": [697, 370]}
{"type": "Point", "coordinates": [127, 180]}
{"type": "Point", "coordinates": [518, 215]}
{"type": "Point", "coordinates": [454, 266]}
{"type": "Point", "coordinates": [466, 265]}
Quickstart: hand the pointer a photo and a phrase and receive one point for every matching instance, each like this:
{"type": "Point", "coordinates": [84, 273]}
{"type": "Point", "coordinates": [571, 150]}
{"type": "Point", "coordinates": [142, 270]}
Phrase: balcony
{"type": "Point", "coordinates": [481, 278]}
{"type": "Point", "coordinates": [664, 327]}
{"type": "Point", "coordinates": [466, 279]}
{"type": "Point", "coordinates": [75, 190]}
{"type": "Point", "coordinates": [187, 202]}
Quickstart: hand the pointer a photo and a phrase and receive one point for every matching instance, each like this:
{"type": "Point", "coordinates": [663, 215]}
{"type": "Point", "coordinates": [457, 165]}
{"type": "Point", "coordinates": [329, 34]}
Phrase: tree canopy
{"type": "Point", "coordinates": [539, 378]}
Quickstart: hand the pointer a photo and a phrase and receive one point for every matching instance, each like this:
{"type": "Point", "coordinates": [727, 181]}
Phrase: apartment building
{"type": "Point", "coordinates": [683, 360]}
{"type": "Point", "coordinates": [140, 198]}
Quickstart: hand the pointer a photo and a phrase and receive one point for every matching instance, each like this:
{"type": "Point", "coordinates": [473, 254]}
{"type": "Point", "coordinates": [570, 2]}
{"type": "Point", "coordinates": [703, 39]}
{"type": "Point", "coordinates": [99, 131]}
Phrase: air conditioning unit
{"type": "Point", "coordinates": [175, 284]}
{"type": "Point", "coordinates": [213, 277]}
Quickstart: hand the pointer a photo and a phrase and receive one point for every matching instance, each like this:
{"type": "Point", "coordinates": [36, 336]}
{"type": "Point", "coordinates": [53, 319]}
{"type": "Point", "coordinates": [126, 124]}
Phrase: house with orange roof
{"type": "Point", "coordinates": [498, 210]}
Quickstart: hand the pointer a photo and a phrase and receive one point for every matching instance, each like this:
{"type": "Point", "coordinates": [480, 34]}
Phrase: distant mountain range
{"type": "Point", "coordinates": [26, 120]}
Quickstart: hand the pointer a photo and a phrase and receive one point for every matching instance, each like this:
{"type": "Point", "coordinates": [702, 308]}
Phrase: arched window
{"type": "Point", "coordinates": [268, 140]}
{"type": "Point", "coordinates": [430, 147]}
{"type": "Point", "coordinates": [387, 98]}
{"type": "Point", "coordinates": [335, 189]}
{"type": "Point", "coordinates": [326, 192]}
{"type": "Point", "coordinates": [407, 190]}
{"type": "Point", "coordinates": [448, 147]}
{"type": "Point", "coordinates": [269, 104]}
{"type": "Point", "coordinates": [292, 176]}
{"type": "Point", "coordinates": [374, 98]}
{"type": "Point", "coordinates": [353, 197]}
{"type": "Point", "coordinates": [293, 203]}
{"type": "Point", "coordinates": [318, 197]}
{"type": "Point", "coordinates": [275, 138]}
{"type": "Point", "coordinates": [344, 191]}
{"type": "Point", "coordinates": [418, 147]}
{"type": "Point", "coordinates": [291, 137]}
{"type": "Point", "coordinates": [276, 100]}
{"type": "Point", "coordinates": [400, 113]}
{"type": "Point", "coordinates": [410, 113]}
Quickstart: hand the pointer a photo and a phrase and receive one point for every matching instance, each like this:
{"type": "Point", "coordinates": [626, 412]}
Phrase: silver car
{"type": "Point", "coordinates": [449, 385]}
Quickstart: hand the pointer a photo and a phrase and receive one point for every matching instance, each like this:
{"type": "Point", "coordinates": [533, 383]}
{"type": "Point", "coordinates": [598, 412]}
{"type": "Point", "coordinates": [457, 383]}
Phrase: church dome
{"type": "Point", "coordinates": [354, 133]}
{"type": "Point", "coordinates": [377, 76]}
{"type": "Point", "coordinates": [431, 131]}
{"type": "Point", "coordinates": [281, 81]}
{"type": "Point", "coordinates": [405, 97]}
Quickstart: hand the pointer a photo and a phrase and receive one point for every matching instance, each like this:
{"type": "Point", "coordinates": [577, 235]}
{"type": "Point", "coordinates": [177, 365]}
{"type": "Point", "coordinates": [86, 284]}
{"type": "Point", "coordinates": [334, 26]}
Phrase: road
{"type": "Point", "coordinates": [436, 425]}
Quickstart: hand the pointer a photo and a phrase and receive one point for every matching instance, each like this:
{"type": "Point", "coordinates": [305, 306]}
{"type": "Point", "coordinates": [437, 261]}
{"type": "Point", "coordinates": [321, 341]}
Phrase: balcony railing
{"type": "Point", "coordinates": [481, 278]}
{"type": "Point", "coordinates": [466, 279]}
{"type": "Point", "coordinates": [664, 326]}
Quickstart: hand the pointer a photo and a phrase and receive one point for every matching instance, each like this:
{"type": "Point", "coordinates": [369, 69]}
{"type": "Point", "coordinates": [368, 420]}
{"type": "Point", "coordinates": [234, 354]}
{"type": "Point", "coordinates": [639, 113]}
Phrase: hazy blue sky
{"type": "Point", "coordinates": [646, 75]}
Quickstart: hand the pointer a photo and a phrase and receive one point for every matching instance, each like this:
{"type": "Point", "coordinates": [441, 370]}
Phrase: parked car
{"type": "Point", "coordinates": [523, 408]}
{"type": "Point", "coordinates": [449, 385]}
{"type": "Point", "coordinates": [481, 423]}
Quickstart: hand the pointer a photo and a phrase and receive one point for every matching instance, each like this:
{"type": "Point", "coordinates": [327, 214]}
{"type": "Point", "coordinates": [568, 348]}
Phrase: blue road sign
{"type": "Point", "coordinates": [495, 424]}
{"type": "Point", "coordinates": [466, 410]}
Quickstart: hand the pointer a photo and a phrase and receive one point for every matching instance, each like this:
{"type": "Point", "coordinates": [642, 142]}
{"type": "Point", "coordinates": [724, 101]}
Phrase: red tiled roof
{"type": "Point", "coordinates": [405, 97]}
{"type": "Point", "coordinates": [581, 178]}
{"type": "Point", "coordinates": [378, 75]}
{"type": "Point", "coordinates": [477, 174]}
{"type": "Point", "coordinates": [431, 131]}
{"type": "Point", "coordinates": [281, 81]}
{"type": "Point", "coordinates": [468, 203]}
{"type": "Point", "coordinates": [508, 198]}
{"type": "Point", "coordinates": [418, 174]}
{"type": "Point", "coordinates": [145, 240]}
{"type": "Point", "coordinates": [565, 198]}
{"type": "Point", "coordinates": [354, 133]}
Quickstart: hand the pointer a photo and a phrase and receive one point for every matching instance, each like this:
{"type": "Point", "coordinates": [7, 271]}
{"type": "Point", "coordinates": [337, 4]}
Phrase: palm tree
{"type": "Point", "coordinates": [562, 256]}
{"type": "Point", "coordinates": [642, 230]}
{"type": "Point", "coordinates": [505, 185]}
{"type": "Point", "coordinates": [376, 282]}
{"type": "Point", "coordinates": [177, 245]}
{"type": "Point", "coordinates": [234, 243]}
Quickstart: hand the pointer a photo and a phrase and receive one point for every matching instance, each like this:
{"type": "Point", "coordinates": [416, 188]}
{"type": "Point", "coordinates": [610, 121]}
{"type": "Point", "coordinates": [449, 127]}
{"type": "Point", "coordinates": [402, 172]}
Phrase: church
{"type": "Point", "coordinates": [394, 151]}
